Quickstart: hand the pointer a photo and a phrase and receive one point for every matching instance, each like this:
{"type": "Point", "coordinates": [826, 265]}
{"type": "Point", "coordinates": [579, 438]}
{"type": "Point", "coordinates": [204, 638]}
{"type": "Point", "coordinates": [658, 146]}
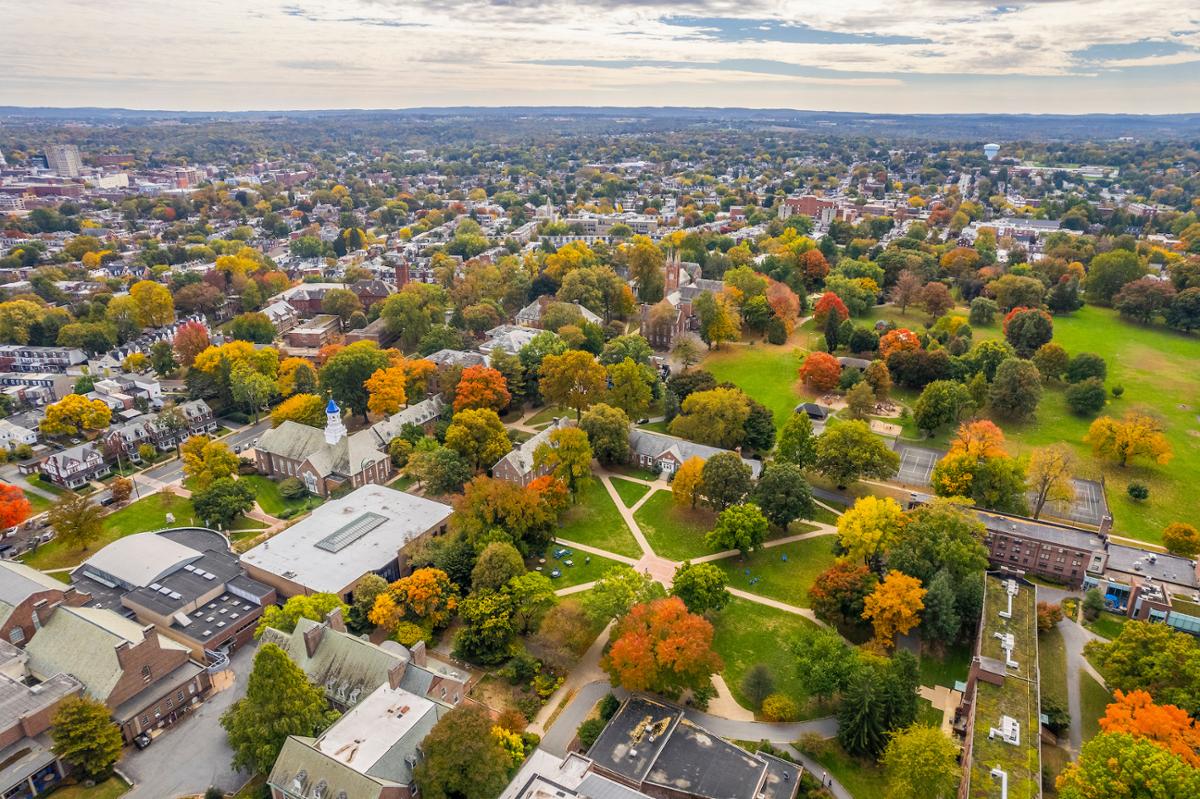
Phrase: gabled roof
{"type": "Point", "coordinates": [521, 457]}
{"type": "Point", "coordinates": [18, 582]}
{"type": "Point", "coordinates": [655, 445]}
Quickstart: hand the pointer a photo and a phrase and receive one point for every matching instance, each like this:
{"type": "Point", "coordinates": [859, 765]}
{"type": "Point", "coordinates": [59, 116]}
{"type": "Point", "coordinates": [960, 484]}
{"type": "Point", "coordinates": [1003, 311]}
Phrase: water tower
{"type": "Point", "coordinates": [990, 151]}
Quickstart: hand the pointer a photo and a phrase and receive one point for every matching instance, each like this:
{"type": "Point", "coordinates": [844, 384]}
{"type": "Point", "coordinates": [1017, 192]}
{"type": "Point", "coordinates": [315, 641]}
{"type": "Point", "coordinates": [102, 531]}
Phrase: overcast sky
{"type": "Point", "coordinates": [1060, 56]}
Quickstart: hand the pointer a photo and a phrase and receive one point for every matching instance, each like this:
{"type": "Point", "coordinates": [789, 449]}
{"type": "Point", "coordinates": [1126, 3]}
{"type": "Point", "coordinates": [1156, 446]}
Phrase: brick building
{"type": "Point", "coordinates": [27, 597]}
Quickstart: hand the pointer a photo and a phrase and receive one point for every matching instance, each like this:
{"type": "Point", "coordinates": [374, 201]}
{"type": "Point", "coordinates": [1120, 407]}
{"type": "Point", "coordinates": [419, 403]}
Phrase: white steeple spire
{"type": "Point", "coordinates": [335, 431]}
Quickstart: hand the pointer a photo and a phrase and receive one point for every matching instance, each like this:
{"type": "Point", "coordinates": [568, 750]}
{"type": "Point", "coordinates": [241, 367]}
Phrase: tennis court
{"type": "Point", "coordinates": [916, 464]}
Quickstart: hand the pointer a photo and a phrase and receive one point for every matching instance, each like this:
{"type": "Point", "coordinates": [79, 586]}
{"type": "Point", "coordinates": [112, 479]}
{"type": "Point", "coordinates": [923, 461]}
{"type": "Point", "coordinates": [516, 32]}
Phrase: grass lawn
{"type": "Point", "coordinates": [745, 634]}
{"type": "Point", "coordinates": [1093, 699]}
{"type": "Point", "coordinates": [629, 491]}
{"type": "Point", "coordinates": [950, 666]}
{"type": "Point", "coordinates": [1106, 624]}
{"type": "Point", "coordinates": [111, 788]}
{"type": "Point", "coordinates": [674, 532]}
{"type": "Point", "coordinates": [37, 503]}
{"type": "Point", "coordinates": [251, 789]}
{"type": "Point", "coordinates": [764, 371]}
{"type": "Point", "coordinates": [1157, 369]}
{"type": "Point", "coordinates": [1052, 665]}
{"type": "Point", "coordinates": [785, 580]}
{"type": "Point", "coordinates": [631, 470]}
{"type": "Point", "coordinates": [586, 569]}
{"type": "Point", "coordinates": [928, 715]}
{"type": "Point", "coordinates": [661, 426]}
{"type": "Point", "coordinates": [862, 777]}
{"type": "Point", "coordinates": [47, 486]}
{"type": "Point", "coordinates": [1054, 760]}
{"type": "Point", "coordinates": [266, 491]}
{"type": "Point", "coordinates": [595, 521]}
{"type": "Point", "coordinates": [825, 515]}
{"type": "Point", "coordinates": [546, 415]}
{"type": "Point", "coordinates": [402, 483]}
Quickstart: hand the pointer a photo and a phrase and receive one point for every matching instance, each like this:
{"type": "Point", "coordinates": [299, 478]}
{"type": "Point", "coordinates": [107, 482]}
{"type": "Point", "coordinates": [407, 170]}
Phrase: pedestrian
{"type": "Point", "coordinates": [824, 778]}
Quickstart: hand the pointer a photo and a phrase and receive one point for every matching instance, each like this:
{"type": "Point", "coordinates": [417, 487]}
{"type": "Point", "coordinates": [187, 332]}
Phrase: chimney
{"type": "Point", "coordinates": [418, 653]}
{"type": "Point", "coordinates": [335, 621]}
{"type": "Point", "coordinates": [396, 673]}
{"type": "Point", "coordinates": [312, 638]}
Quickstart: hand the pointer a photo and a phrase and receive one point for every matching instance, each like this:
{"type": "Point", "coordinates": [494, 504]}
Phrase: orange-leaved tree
{"type": "Point", "coordinates": [979, 439]}
{"type": "Point", "coordinates": [899, 340]}
{"type": "Point", "coordinates": [821, 371]}
{"type": "Point", "coordinates": [481, 387]}
{"type": "Point", "coordinates": [1168, 726]}
{"type": "Point", "coordinates": [388, 390]}
{"type": "Point", "coordinates": [661, 647]}
{"type": "Point", "coordinates": [14, 507]}
{"type": "Point", "coordinates": [424, 597]}
{"type": "Point", "coordinates": [894, 607]}
{"type": "Point", "coordinates": [829, 303]}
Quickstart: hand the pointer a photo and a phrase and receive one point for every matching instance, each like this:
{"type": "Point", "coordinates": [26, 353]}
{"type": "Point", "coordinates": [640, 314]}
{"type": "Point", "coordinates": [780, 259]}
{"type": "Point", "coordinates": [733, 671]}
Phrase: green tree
{"type": "Point", "coordinates": [1027, 329]}
{"type": "Point", "coordinates": [921, 763]}
{"type": "Point", "coordinates": [850, 451]}
{"type": "Point", "coordinates": [77, 521]}
{"type": "Point", "coordinates": [861, 729]}
{"type": "Point", "coordinates": [724, 480]}
{"type": "Point", "coordinates": [942, 402]}
{"type": "Point", "coordinates": [741, 527]}
{"type": "Point", "coordinates": [796, 444]}
{"type": "Point", "coordinates": [1153, 658]}
{"type": "Point", "coordinates": [783, 494]}
{"type": "Point", "coordinates": [341, 303]}
{"type": "Point", "coordinates": [618, 590]}
{"type": "Point", "coordinates": [162, 358]}
{"type": "Point", "coordinates": [85, 736]}
{"type": "Point", "coordinates": [1109, 272]}
{"type": "Point", "coordinates": [345, 374]}
{"type": "Point", "coordinates": [825, 663]}
{"type": "Point", "coordinates": [463, 759]}
{"type": "Point", "coordinates": [488, 627]}
{"type": "Point", "coordinates": [607, 429]}
{"type": "Point", "coordinates": [1119, 766]}
{"type": "Point", "coordinates": [940, 621]}
{"type": "Point", "coordinates": [250, 388]}
{"type": "Point", "coordinates": [1016, 389]}
{"type": "Point", "coordinates": [279, 701]}
{"type": "Point", "coordinates": [314, 607]}
{"type": "Point", "coordinates": [758, 683]}
{"type": "Point", "coordinates": [716, 417]}
{"type": "Point", "coordinates": [440, 469]}
{"type": "Point", "coordinates": [701, 586]}
{"type": "Point", "coordinates": [630, 387]}
{"type": "Point", "coordinates": [369, 587]}
{"type": "Point", "coordinates": [255, 327]}
{"type": "Point", "coordinates": [567, 454]}
{"type": "Point", "coordinates": [497, 564]}
{"type": "Point", "coordinates": [223, 501]}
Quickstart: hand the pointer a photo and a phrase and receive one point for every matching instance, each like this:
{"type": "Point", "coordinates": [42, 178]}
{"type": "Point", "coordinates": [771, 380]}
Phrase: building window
{"type": "Point", "coordinates": [17, 635]}
{"type": "Point", "coordinates": [170, 704]}
{"type": "Point", "coordinates": [179, 696]}
{"type": "Point", "coordinates": [146, 674]}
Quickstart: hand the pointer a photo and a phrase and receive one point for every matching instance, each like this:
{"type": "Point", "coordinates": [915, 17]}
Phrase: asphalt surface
{"type": "Point", "coordinates": [193, 755]}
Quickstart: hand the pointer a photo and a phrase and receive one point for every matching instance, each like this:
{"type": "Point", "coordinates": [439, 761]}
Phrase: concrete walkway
{"type": "Point", "coordinates": [1075, 637]}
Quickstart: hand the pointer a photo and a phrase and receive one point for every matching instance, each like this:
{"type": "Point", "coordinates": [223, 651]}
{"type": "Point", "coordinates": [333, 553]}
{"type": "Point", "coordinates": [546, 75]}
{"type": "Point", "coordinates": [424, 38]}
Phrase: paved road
{"type": "Point", "coordinates": [245, 435]}
{"type": "Point", "coordinates": [187, 759]}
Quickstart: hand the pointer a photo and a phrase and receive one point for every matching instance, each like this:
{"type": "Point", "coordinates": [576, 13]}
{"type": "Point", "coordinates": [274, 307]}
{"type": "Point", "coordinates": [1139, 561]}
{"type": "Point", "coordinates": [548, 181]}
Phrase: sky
{"type": "Point", "coordinates": [893, 56]}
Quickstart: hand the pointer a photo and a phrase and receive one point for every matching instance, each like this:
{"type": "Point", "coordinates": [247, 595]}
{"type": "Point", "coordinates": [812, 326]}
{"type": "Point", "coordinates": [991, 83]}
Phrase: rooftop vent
{"type": "Point", "coordinates": [1009, 731]}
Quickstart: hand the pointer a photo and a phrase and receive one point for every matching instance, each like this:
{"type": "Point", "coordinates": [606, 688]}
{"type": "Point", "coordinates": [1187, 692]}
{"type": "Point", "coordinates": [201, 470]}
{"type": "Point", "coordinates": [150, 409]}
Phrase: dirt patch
{"type": "Point", "coordinates": [885, 429]}
{"type": "Point", "coordinates": [1184, 407]}
{"type": "Point", "coordinates": [1195, 433]}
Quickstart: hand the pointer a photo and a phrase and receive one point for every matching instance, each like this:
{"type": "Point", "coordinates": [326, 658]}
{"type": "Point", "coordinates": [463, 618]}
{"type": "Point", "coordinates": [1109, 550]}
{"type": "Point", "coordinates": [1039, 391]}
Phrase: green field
{"type": "Point", "coordinates": [948, 667]}
{"type": "Point", "coordinates": [674, 532]}
{"type": "Point", "coordinates": [595, 521]}
{"type": "Point", "coordinates": [546, 415]}
{"type": "Point", "coordinates": [863, 778]}
{"type": "Point", "coordinates": [586, 567]}
{"type": "Point", "coordinates": [1093, 699]}
{"type": "Point", "coordinates": [785, 580]}
{"type": "Point", "coordinates": [629, 491]}
{"type": "Point", "coordinates": [1107, 625]}
{"type": "Point", "coordinates": [746, 634]}
{"type": "Point", "coordinates": [111, 788]}
{"type": "Point", "coordinates": [765, 372]}
{"type": "Point", "coordinates": [1157, 367]}
{"type": "Point", "coordinates": [37, 503]}
{"type": "Point", "coordinates": [266, 492]}
{"type": "Point", "coordinates": [1052, 665]}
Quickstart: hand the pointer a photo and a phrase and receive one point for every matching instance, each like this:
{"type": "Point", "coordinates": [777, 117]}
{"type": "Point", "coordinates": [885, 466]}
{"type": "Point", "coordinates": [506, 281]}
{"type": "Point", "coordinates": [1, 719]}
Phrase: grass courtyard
{"type": "Point", "coordinates": [862, 777]}
{"type": "Point", "coordinates": [37, 503]}
{"type": "Point", "coordinates": [629, 491]}
{"type": "Point", "coordinates": [785, 572]}
{"type": "Point", "coordinates": [745, 634]}
{"type": "Point", "coordinates": [111, 788]}
{"type": "Point", "coordinates": [764, 371]}
{"type": "Point", "coordinates": [1052, 665]}
{"type": "Point", "coordinates": [584, 569]}
{"type": "Point", "coordinates": [673, 531]}
{"type": "Point", "coordinates": [594, 520]}
{"type": "Point", "coordinates": [266, 492]}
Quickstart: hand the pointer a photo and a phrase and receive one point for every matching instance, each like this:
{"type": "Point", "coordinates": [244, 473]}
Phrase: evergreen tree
{"type": "Point", "coordinates": [860, 716]}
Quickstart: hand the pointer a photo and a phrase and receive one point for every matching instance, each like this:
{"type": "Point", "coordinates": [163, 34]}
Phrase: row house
{"type": "Point", "coordinates": [25, 358]}
{"type": "Point", "coordinates": [151, 429]}
{"type": "Point", "coordinates": [74, 467]}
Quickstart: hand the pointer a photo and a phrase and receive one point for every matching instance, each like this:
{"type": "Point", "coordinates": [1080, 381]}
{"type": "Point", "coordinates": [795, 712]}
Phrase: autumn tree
{"type": "Point", "coordinates": [630, 387]}
{"type": "Point", "coordinates": [1050, 474]}
{"type": "Point", "coordinates": [314, 607]}
{"type": "Point", "coordinates": [206, 460]}
{"type": "Point", "coordinates": [821, 371]}
{"type": "Point", "coordinates": [661, 647]}
{"type": "Point", "coordinates": [463, 758]}
{"type": "Point", "coordinates": [296, 376]}
{"type": "Point", "coordinates": [14, 507]}
{"type": "Point", "coordinates": [85, 736]}
{"type": "Point", "coordinates": [573, 380]}
{"type": "Point", "coordinates": [894, 607]}
{"type": "Point", "coordinates": [607, 430]}
{"type": "Point", "coordinates": [478, 436]}
{"type": "Point", "coordinates": [742, 527]}
{"type": "Point", "coordinates": [716, 417]}
{"type": "Point", "coordinates": [906, 290]}
{"type": "Point", "coordinates": [1027, 329]}
{"type": "Point", "coordinates": [829, 303]}
{"type": "Point", "coordinates": [899, 340]}
{"type": "Point", "coordinates": [307, 409]}
{"type": "Point", "coordinates": [719, 319]}
{"type": "Point", "coordinates": [1136, 435]}
{"type": "Point", "coordinates": [481, 387]}
{"type": "Point", "coordinates": [686, 485]}
{"type": "Point", "coordinates": [387, 390]}
{"type": "Point", "coordinates": [838, 593]}
{"type": "Point", "coordinates": [190, 340]}
{"type": "Point", "coordinates": [1181, 539]}
{"type": "Point", "coordinates": [156, 306]}
{"type": "Point", "coordinates": [566, 454]}
{"type": "Point", "coordinates": [935, 299]}
{"type": "Point", "coordinates": [1135, 713]}
{"type": "Point", "coordinates": [77, 521]}
{"type": "Point", "coordinates": [921, 763]}
{"type": "Point", "coordinates": [866, 530]}
{"type": "Point", "coordinates": [1113, 765]}
{"type": "Point", "coordinates": [646, 262]}
{"type": "Point", "coordinates": [74, 413]}
{"type": "Point", "coordinates": [425, 597]}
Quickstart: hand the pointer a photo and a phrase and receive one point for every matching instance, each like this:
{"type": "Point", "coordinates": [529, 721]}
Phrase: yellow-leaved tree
{"type": "Point", "coordinates": [1134, 435]}
{"type": "Point", "coordinates": [867, 529]}
{"type": "Point", "coordinates": [156, 307]}
{"type": "Point", "coordinates": [894, 607]}
{"type": "Point", "coordinates": [686, 485]}
{"type": "Point", "coordinates": [73, 413]}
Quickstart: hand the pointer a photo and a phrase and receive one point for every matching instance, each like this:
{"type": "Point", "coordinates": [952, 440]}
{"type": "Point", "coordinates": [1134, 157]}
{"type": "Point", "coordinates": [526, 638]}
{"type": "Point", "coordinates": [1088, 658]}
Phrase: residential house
{"type": "Point", "coordinates": [31, 768]}
{"type": "Point", "coordinates": [28, 358]}
{"type": "Point", "coordinates": [13, 435]}
{"type": "Point", "coordinates": [323, 460]}
{"type": "Point", "coordinates": [531, 314]}
{"type": "Point", "coordinates": [509, 338]}
{"type": "Point", "coordinates": [159, 430]}
{"type": "Point", "coordinates": [186, 581]}
{"type": "Point", "coordinates": [282, 315]}
{"type": "Point", "coordinates": [147, 681]}
{"type": "Point", "coordinates": [518, 465]}
{"type": "Point", "coordinates": [74, 467]}
{"type": "Point", "coordinates": [367, 531]}
{"type": "Point", "coordinates": [27, 597]}
{"type": "Point", "coordinates": [660, 452]}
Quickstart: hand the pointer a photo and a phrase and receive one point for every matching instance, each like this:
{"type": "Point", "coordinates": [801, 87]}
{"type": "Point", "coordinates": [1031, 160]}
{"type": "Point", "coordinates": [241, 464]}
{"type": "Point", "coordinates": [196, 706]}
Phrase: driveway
{"type": "Point", "coordinates": [187, 759]}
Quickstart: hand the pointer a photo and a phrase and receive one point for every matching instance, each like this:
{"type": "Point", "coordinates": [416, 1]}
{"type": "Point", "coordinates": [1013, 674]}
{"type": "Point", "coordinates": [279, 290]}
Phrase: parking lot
{"type": "Point", "coordinates": [916, 464]}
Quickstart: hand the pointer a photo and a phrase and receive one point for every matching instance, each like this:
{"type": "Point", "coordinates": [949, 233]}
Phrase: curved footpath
{"type": "Point", "coordinates": [567, 721]}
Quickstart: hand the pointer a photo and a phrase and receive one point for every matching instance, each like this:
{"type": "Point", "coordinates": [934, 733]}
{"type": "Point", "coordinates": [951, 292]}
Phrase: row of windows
{"type": "Point", "coordinates": [168, 705]}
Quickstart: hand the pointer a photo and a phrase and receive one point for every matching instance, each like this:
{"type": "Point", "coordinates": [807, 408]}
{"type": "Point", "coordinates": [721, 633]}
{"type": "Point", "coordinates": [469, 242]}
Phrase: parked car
{"type": "Point", "coordinates": [142, 741]}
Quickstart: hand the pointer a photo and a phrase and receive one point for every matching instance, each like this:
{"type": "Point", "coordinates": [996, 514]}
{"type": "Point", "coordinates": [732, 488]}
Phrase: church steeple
{"type": "Point", "coordinates": [335, 431]}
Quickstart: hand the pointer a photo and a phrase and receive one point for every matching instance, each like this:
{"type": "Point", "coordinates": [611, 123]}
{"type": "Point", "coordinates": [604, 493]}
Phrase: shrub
{"type": "Point", "coordinates": [292, 488]}
{"type": "Point", "coordinates": [214, 792]}
{"type": "Point", "coordinates": [1138, 491]}
{"type": "Point", "coordinates": [1118, 390]}
{"type": "Point", "coordinates": [408, 634]}
{"type": "Point", "coordinates": [778, 707]}
{"type": "Point", "coordinates": [589, 731]}
{"type": "Point", "coordinates": [1093, 604]}
{"type": "Point", "coordinates": [1058, 716]}
{"type": "Point", "coordinates": [609, 706]}
{"type": "Point", "coordinates": [1087, 397]}
{"type": "Point", "coordinates": [1182, 539]}
{"type": "Point", "coordinates": [1048, 615]}
{"type": "Point", "coordinates": [703, 695]}
{"type": "Point", "coordinates": [1085, 365]}
{"type": "Point", "coordinates": [776, 331]}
